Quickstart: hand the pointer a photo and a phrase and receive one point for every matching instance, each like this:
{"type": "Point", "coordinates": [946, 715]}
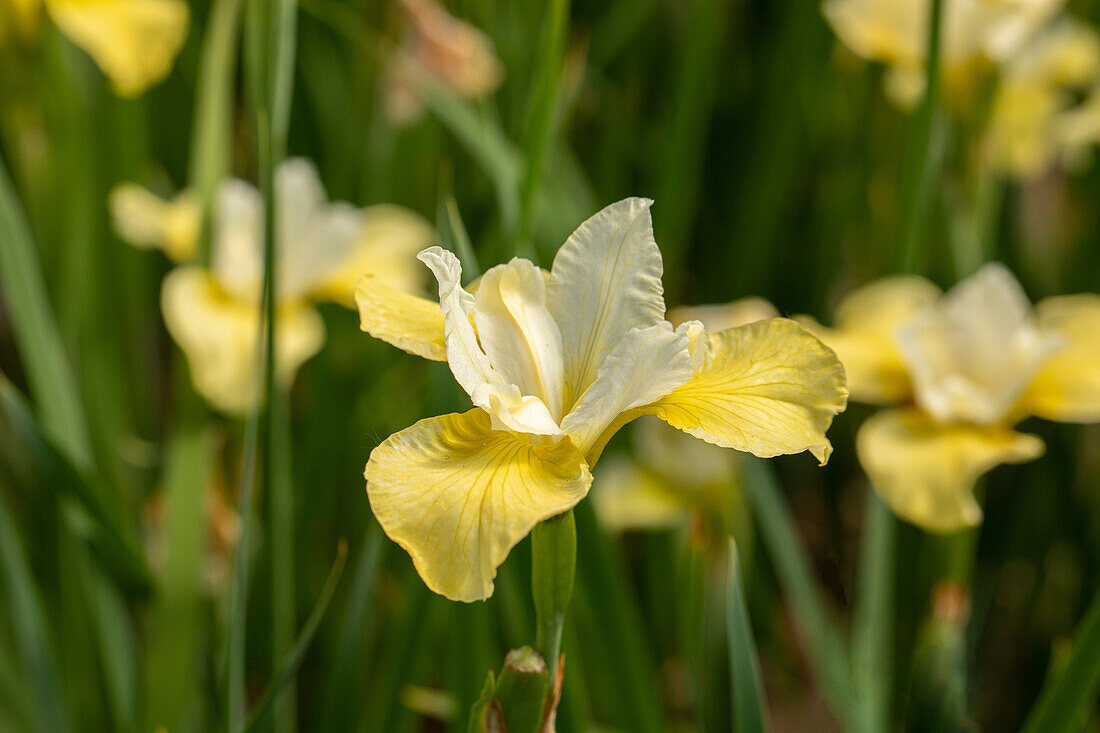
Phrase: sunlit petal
{"type": "Point", "coordinates": [146, 220]}
{"type": "Point", "coordinates": [925, 470]}
{"type": "Point", "coordinates": [768, 388]}
{"type": "Point", "coordinates": [457, 496]}
{"type": "Point", "coordinates": [406, 321]}
{"type": "Point", "coordinates": [1067, 388]}
{"type": "Point", "coordinates": [218, 335]}
{"type": "Point", "coordinates": [863, 338]}
{"type": "Point", "coordinates": [133, 41]}
{"type": "Point", "coordinates": [605, 281]}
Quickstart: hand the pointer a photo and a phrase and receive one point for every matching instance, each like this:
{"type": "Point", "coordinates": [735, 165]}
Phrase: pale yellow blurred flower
{"type": "Point", "coordinates": [322, 249]}
{"type": "Point", "coordinates": [975, 34]}
{"type": "Point", "coordinates": [134, 42]}
{"type": "Point", "coordinates": [966, 367]}
{"type": "Point", "coordinates": [439, 49]}
{"type": "Point", "coordinates": [1036, 120]}
{"type": "Point", "coordinates": [555, 363]}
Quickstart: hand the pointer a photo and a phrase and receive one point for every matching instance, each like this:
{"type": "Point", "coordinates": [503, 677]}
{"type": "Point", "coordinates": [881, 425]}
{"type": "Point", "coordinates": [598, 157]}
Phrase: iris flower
{"type": "Point", "coordinates": [322, 249]}
{"type": "Point", "coordinates": [1038, 117]}
{"type": "Point", "coordinates": [975, 34]}
{"type": "Point", "coordinates": [134, 42]}
{"type": "Point", "coordinates": [554, 363]}
{"type": "Point", "coordinates": [963, 368]}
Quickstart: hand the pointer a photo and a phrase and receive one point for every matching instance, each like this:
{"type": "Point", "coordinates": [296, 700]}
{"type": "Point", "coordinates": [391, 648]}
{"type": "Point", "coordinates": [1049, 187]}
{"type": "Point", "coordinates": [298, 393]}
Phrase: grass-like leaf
{"type": "Point", "coordinates": [1066, 697]}
{"type": "Point", "coordinates": [823, 639]}
{"type": "Point", "coordinates": [750, 707]}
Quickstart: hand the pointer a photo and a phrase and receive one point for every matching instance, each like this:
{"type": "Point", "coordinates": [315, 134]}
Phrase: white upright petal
{"type": "Point", "coordinates": [972, 354]}
{"type": "Point", "coordinates": [237, 249]}
{"type": "Point", "coordinates": [509, 409]}
{"type": "Point", "coordinates": [315, 237]}
{"type": "Point", "coordinates": [644, 365]}
{"type": "Point", "coordinates": [518, 334]}
{"type": "Point", "coordinates": [606, 281]}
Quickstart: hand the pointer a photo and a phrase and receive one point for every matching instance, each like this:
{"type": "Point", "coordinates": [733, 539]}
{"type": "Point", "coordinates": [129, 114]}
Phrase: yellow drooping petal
{"type": "Point", "coordinates": [218, 336]}
{"type": "Point", "coordinates": [864, 337]}
{"type": "Point", "coordinates": [389, 239]}
{"type": "Point", "coordinates": [408, 322]}
{"type": "Point", "coordinates": [146, 220]}
{"type": "Point", "coordinates": [926, 470]}
{"type": "Point", "coordinates": [769, 388]}
{"type": "Point", "coordinates": [133, 41]}
{"type": "Point", "coordinates": [1067, 387]}
{"type": "Point", "coordinates": [457, 496]}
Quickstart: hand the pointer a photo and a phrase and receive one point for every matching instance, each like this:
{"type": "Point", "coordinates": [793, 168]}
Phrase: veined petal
{"type": "Point", "coordinates": [1067, 387]}
{"type": "Point", "coordinates": [517, 333]}
{"type": "Point", "coordinates": [386, 247]}
{"type": "Point", "coordinates": [457, 496]}
{"type": "Point", "coordinates": [768, 388]}
{"type": "Point", "coordinates": [133, 41]}
{"type": "Point", "coordinates": [645, 365]}
{"type": "Point", "coordinates": [926, 470]}
{"type": "Point", "coordinates": [863, 338]}
{"type": "Point", "coordinates": [218, 336]}
{"type": "Point", "coordinates": [605, 281]}
{"type": "Point", "coordinates": [146, 220]}
{"type": "Point", "coordinates": [406, 321]}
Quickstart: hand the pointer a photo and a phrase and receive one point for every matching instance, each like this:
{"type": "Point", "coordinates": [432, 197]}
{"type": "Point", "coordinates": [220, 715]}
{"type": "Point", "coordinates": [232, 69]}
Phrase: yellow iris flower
{"type": "Point", "coordinates": [322, 248]}
{"type": "Point", "coordinates": [554, 363]}
{"type": "Point", "coordinates": [672, 476]}
{"type": "Point", "coordinates": [975, 34]}
{"type": "Point", "coordinates": [965, 367]}
{"type": "Point", "coordinates": [1037, 119]}
{"type": "Point", "coordinates": [134, 42]}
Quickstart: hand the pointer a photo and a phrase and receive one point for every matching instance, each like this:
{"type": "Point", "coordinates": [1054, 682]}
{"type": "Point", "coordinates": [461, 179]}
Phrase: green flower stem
{"type": "Point", "coordinates": [926, 152]}
{"type": "Point", "coordinates": [553, 560]}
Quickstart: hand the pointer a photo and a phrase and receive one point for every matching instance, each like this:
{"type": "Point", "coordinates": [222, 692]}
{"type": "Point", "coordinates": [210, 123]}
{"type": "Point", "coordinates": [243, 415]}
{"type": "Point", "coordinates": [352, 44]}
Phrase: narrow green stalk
{"type": "Point", "coordinates": [1065, 698]}
{"type": "Point", "coordinates": [542, 119]}
{"type": "Point", "coordinates": [873, 628]}
{"type": "Point", "coordinates": [212, 134]}
{"type": "Point", "coordinates": [48, 370]}
{"type": "Point", "coordinates": [553, 561]}
{"type": "Point", "coordinates": [926, 150]}
{"type": "Point", "coordinates": [750, 708]}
